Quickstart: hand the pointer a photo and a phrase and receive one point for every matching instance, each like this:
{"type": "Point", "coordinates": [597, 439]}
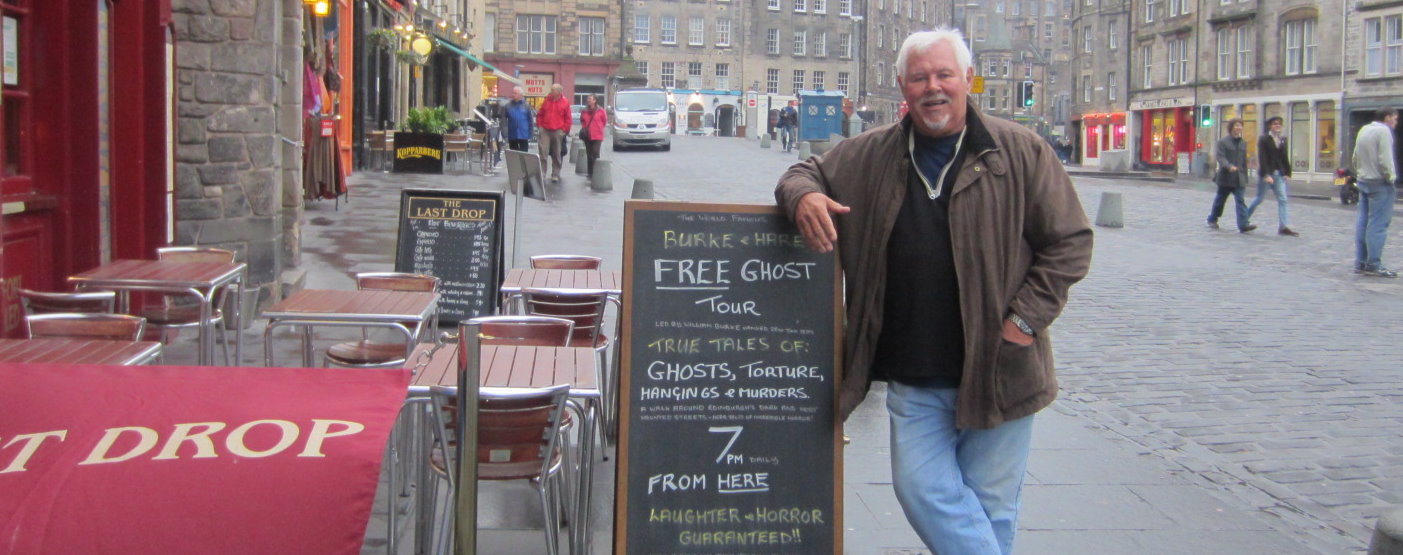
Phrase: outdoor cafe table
{"type": "Point", "coordinates": [64, 350]}
{"type": "Point", "coordinates": [197, 279]}
{"type": "Point", "coordinates": [521, 278]}
{"type": "Point", "coordinates": [511, 367]}
{"type": "Point", "coordinates": [395, 310]}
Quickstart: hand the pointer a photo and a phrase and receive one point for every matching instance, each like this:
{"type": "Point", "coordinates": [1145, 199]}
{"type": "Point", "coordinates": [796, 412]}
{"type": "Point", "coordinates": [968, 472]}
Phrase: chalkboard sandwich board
{"type": "Point", "coordinates": [728, 438]}
{"type": "Point", "coordinates": [456, 236]}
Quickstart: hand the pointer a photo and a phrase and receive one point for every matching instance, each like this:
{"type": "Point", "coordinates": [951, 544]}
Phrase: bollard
{"type": "Point", "coordinates": [1388, 535]}
{"type": "Point", "coordinates": [643, 189]}
{"type": "Point", "coordinates": [1110, 213]}
{"type": "Point", "coordinates": [574, 150]}
{"type": "Point", "coordinates": [805, 150]}
{"type": "Point", "coordinates": [854, 125]}
{"type": "Point", "coordinates": [765, 140]}
{"type": "Point", "coordinates": [603, 179]}
{"type": "Point", "coordinates": [582, 164]}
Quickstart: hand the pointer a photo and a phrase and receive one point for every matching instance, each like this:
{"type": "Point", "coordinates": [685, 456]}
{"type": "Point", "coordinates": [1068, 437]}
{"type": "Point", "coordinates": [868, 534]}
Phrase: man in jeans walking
{"type": "Point", "coordinates": [1275, 167]}
{"type": "Point", "coordinates": [1373, 164]}
{"type": "Point", "coordinates": [1231, 152]}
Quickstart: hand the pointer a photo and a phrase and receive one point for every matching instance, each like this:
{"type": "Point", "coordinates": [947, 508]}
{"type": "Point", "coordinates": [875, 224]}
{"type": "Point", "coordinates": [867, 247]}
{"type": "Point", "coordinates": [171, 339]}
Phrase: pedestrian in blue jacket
{"type": "Point", "coordinates": [520, 122]}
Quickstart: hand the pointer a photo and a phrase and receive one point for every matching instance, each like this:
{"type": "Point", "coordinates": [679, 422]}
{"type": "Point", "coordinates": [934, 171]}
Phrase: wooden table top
{"type": "Point", "coordinates": [508, 366]}
{"type": "Point", "coordinates": [139, 273]}
{"type": "Point", "coordinates": [354, 305]}
{"type": "Point", "coordinates": [58, 350]}
{"type": "Point", "coordinates": [518, 278]}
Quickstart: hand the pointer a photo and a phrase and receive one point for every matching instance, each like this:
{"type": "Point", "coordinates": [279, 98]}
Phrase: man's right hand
{"type": "Point", "coordinates": [815, 222]}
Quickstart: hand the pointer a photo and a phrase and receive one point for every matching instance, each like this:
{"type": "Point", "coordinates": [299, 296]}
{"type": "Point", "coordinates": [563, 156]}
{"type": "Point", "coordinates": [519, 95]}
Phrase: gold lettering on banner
{"type": "Point", "coordinates": [31, 444]}
{"type": "Point", "coordinates": [418, 152]}
{"type": "Point", "coordinates": [137, 441]}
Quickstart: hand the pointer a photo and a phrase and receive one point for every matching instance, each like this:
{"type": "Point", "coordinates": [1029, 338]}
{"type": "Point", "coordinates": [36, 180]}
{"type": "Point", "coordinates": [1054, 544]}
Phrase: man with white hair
{"type": "Point", "coordinates": [960, 236]}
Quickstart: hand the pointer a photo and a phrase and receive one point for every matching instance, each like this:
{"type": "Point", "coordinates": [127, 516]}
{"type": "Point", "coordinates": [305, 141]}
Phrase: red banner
{"type": "Point", "coordinates": [161, 459]}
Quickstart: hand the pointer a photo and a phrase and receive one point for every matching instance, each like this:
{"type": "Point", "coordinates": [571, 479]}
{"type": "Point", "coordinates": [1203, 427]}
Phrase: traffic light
{"type": "Point", "coordinates": [1205, 115]}
{"type": "Point", "coordinates": [1027, 94]}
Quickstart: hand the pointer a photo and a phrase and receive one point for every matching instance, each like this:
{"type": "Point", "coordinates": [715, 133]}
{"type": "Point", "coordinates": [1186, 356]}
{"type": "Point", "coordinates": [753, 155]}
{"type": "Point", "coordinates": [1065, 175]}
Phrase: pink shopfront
{"type": "Point", "coordinates": [1102, 132]}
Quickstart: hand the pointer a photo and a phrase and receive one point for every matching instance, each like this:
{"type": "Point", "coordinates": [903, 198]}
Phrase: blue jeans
{"type": "Point", "coordinates": [786, 137]}
{"type": "Point", "coordinates": [959, 488]}
{"type": "Point", "coordinates": [1278, 186]}
{"type": "Point", "coordinates": [1375, 212]}
{"type": "Point", "coordinates": [1221, 199]}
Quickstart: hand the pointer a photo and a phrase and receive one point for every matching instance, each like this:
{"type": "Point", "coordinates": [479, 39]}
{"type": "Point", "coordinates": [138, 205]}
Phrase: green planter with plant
{"type": "Point", "coordinates": [419, 143]}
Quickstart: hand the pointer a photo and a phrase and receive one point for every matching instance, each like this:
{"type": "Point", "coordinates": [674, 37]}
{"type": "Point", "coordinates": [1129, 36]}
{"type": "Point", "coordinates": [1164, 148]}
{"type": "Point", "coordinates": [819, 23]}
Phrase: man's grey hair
{"type": "Point", "coordinates": [923, 40]}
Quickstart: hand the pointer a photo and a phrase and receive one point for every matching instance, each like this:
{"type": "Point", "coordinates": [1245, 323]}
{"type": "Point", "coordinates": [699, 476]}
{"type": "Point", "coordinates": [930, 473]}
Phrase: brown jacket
{"type": "Point", "coordinates": [1020, 240]}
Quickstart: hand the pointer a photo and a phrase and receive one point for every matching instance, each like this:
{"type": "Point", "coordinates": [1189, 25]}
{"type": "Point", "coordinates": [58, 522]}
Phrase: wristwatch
{"type": "Point", "coordinates": [1021, 323]}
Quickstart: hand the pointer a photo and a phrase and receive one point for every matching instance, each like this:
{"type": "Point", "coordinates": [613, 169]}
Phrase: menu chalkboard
{"type": "Point", "coordinates": [728, 440]}
{"type": "Point", "coordinates": [456, 236]}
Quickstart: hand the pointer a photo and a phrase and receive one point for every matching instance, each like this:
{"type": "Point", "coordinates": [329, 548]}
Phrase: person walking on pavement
{"type": "Point", "coordinates": [1275, 167]}
{"type": "Point", "coordinates": [592, 120]}
{"type": "Point", "coordinates": [554, 118]}
{"type": "Point", "coordinates": [788, 125]}
{"type": "Point", "coordinates": [1374, 166]}
{"type": "Point", "coordinates": [960, 235]}
{"type": "Point", "coordinates": [1231, 152]}
{"type": "Point", "coordinates": [520, 122]}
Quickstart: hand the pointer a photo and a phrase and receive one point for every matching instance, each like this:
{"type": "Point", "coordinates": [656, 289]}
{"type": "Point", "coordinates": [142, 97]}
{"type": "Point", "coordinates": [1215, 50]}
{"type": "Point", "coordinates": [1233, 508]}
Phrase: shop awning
{"type": "Point", "coordinates": [476, 60]}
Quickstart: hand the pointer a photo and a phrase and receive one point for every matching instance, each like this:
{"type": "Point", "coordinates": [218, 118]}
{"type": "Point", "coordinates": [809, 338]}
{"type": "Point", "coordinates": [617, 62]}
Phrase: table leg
{"type": "Point", "coordinates": [585, 480]}
{"type": "Point", "coordinates": [206, 328]}
{"type": "Point", "coordinates": [306, 346]}
{"type": "Point", "coordinates": [237, 314]}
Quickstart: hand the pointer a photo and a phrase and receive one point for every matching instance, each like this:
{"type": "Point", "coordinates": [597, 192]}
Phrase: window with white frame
{"type": "Point", "coordinates": [881, 72]}
{"type": "Point", "coordinates": [818, 79]}
{"type": "Point", "coordinates": [642, 68]}
{"type": "Point", "coordinates": [1028, 70]}
{"type": "Point", "coordinates": [1244, 51]}
{"type": "Point", "coordinates": [801, 42]}
{"type": "Point", "coordinates": [895, 44]}
{"type": "Point", "coordinates": [1150, 10]}
{"type": "Point", "coordinates": [694, 75]}
{"type": "Point", "coordinates": [535, 34]}
{"type": "Point", "coordinates": [669, 79]}
{"type": "Point", "coordinates": [696, 32]}
{"type": "Point", "coordinates": [845, 45]}
{"type": "Point", "coordinates": [1178, 61]}
{"type": "Point", "coordinates": [843, 81]}
{"type": "Point", "coordinates": [723, 76]}
{"type": "Point", "coordinates": [821, 44]}
{"type": "Point", "coordinates": [1005, 67]}
{"type": "Point", "coordinates": [1047, 31]}
{"type": "Point", "coordinates": [723, 32]}
{"type": "Point", "coordinates": [642, 25]}
{"type": "Point", "coordinates": [1088, 38]}
{"type": "Point", "coordinates": [820, 6]}
{"type": "Point", "coordinates": [998, 6]}
{"type": "Point", "coordinates": [1146, 57]}
{"type": "Point", "coordinates": [1113, 35]}
{"type": "Point", "coordinates": [772, 81]}
{"type": "Point", "coordinates": [1224, 54]}
{"type": "Point", "coordinates": [1086, 88]}
{"type": "Point", "coordinates": [1300, 46]}
{"type": "Point", "coordinates": [1178, 7]}
{"type": "Point", "coordinates": [881, 36]}
{"type": "Point", "coordinates": [773, 5]}
{"type": "Point", "coordinates": [845, 7]}
{"type": "Point", "coordinates": [1393, 44]}
{"type": "Point", "coordinates": [798, 81]}
{"type": "Point", "coordinates": [1111, 86]}
{"type": "Point", "coordinates": [799, 5]}
{"type": "Point", "coordinates": [772, 41]}
{"type": "Point", "coordinates": [669, 30]}
{"type": "Point", "coordinates": [591, 36]}
{"type": "Point", "coordinates": [1373, 47]}
{"type": "Point", "coordinates": [925, 6]}
{"type": "Point", "coordinates": [489, 35]}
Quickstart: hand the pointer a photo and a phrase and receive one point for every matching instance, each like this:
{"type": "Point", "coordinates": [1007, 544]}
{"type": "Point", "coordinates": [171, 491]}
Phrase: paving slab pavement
{"type": "Point", "coordinates": [1101, 479]}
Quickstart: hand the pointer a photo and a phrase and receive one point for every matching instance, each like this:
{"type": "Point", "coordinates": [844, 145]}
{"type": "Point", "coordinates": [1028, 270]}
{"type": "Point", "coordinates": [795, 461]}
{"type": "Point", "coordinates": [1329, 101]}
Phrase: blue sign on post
{"type": "Point", "coordinates": [820, 114]}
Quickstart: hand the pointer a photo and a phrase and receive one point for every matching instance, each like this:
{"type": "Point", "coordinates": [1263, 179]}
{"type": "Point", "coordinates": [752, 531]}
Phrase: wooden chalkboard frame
{"type": "Point", "coordinates": [629, 318]}
{"type": "Point", "coordinates": [404, 243]}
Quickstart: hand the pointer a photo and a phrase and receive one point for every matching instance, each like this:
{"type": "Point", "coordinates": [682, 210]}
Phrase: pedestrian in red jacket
{"type": "Point", "coordinates": [554, 119]}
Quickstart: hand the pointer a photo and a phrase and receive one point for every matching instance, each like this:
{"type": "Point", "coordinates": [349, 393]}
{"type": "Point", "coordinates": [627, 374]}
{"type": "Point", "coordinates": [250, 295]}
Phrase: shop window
{"type": "Point", "coordinates": [1225, 114]}
{"type": "Point", "coordinates": [1299, 130]}
{"type": "Point", "coordinates": [1170, 128]}
{"type": "Point", "coordinates": [1157, 137]}
{"type": "Point", "coordinates": [1250, 131]}
{"type": "Point", "coordinates": [1325, 155]}
{"type": "Point", "coordinates": [14, 161]}
{"type": "Point", "coordinates": [1118, 137]}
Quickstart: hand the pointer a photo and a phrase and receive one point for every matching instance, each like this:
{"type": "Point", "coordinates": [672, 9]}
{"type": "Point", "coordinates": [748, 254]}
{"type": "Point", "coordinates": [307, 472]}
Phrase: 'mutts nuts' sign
{"type": "Point", "coordinates": [537, 84]}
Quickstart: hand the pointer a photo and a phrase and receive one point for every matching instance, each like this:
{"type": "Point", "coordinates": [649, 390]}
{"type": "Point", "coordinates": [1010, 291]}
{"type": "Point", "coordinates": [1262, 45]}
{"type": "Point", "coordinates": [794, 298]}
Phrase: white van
{"type": "Point", "coordinates": [642, 117]}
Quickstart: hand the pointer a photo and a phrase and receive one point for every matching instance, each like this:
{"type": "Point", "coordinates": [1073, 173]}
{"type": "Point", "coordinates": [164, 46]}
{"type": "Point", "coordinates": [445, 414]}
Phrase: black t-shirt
{"type": "Point", "coordinates": [922, 339]}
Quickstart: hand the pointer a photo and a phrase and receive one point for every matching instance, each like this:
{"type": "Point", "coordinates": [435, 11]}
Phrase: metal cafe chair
{"type": "Point", "coordinates": [565, 262]}
{"type": "Point", "coordinates": [367, 353]}
{"type": "Point", "coordinates": [89, 302]}
{"type": "Point", "coordinates": [179, 311]}
{"type": "Point", "coordinates": [585, 307]}
{"type": "Point", "coordinates": [519, 437]}
{"type": "Point", "coordinates": [119, 327]}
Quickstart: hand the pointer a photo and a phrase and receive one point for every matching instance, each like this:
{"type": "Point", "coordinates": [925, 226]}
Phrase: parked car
{"type": "Point", "coordinates": [642, 117]}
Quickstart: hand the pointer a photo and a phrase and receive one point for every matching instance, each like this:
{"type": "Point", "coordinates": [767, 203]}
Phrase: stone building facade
{"type": "Point", "coordinates": [576, 43]}
{"type": "Point", "coordinates": [238, 172]}
{"type": "Point", "coordinates": [1100, 82]}
{"type": "Point", "coordinates": [886, 26]}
